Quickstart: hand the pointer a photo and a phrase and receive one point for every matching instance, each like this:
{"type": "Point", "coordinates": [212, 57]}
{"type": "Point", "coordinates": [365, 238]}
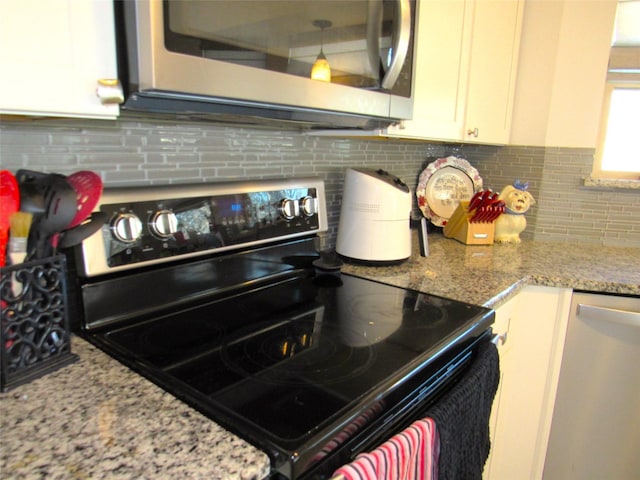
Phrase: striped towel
{"type": "Point", "coordinates": [410, 455]}
{"type": "Point", "coordinates": [351, 429]}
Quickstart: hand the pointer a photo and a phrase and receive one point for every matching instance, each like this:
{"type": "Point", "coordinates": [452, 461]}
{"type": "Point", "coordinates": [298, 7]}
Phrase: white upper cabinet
{"type": "Point", "coordinates": [441, 69]}
{"type": "Point", "coordinates": [466, 64]}
{"type": "Point", "coordinates": [53, 54]}
{"type": "Point", "coordinates": [495, 45]}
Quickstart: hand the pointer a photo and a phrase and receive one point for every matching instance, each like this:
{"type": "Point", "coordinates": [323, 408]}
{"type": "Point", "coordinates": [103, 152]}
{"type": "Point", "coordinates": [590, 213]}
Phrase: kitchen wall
{"type": "Point", "coordinates": [136, 152]}
{"type": "Point", "coordinates": [566, 210]}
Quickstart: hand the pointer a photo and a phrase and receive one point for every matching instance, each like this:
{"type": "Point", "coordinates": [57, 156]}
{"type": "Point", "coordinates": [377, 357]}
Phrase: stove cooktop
{"type": "Point", "coordinates": [289, 360]}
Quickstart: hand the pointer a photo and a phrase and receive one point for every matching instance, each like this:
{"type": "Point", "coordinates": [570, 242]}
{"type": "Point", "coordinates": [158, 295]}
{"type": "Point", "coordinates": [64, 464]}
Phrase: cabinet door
{"type": "Point", "coordinates": [465, 72]}
{"type": "Point", "coordinates": [530, 371]}
{"type": "Point", "coordinates": [443, 38]}
{"type": "Point", "coordinates": [53, 54]}
{"type": "Point", "coordinates": [504, 315]}
{"type": "Point", "coordinates": [495, 45]}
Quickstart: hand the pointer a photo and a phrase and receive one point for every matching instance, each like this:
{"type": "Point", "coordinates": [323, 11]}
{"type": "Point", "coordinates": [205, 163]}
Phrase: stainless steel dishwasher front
{"type": "Point", "coordinates": [594, 432]}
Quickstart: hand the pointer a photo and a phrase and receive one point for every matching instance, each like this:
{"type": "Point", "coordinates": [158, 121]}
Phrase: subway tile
{"type": "Point", "coordinates": [125, 177]}
{"type": "Point", "coordinates": [224, 173]}
{"type": "Point", "coordinates": [13, 137]}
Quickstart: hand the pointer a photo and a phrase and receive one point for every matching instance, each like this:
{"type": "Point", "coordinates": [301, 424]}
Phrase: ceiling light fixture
{"type": "Point", "coordinates": [321, 69]}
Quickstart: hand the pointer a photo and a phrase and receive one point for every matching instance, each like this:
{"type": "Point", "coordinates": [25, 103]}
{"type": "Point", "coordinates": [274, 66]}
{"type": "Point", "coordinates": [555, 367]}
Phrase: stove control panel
{"type": "Point", "coordinates": [159, 224]}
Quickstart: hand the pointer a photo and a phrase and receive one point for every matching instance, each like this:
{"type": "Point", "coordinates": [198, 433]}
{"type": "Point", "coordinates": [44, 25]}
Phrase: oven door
{"type": "Point", "coordinates": [256, 57]}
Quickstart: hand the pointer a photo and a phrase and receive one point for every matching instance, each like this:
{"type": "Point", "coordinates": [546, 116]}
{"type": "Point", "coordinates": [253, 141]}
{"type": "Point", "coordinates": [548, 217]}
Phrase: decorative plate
{"type": "Point", "coordinates": [443, 184]}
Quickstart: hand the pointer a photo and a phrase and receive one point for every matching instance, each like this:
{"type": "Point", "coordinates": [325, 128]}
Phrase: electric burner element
{"type": "Point", "coordinates": [298, 352]}
{"type": "Point", "coordinates": [161, 342]}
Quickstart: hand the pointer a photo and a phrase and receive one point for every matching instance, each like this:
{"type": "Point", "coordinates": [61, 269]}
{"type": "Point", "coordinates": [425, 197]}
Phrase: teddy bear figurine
{"type": "Point", "coordinates": [512, 222]}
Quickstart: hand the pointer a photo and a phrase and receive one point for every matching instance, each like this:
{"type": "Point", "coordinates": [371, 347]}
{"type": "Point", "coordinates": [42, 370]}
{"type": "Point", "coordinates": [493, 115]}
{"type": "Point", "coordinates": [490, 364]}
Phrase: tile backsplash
{"type": "Point", "coordinates": [133, 152]}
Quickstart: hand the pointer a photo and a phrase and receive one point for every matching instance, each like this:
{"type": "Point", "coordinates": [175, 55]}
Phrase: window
{"type": "Point", "coordinates": [618, 153]}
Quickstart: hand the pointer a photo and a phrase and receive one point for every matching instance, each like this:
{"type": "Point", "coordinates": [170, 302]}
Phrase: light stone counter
{"type": "Point", "coordinates": [490, 274]}
{"type": "Point", "coordinates": [95, 419]}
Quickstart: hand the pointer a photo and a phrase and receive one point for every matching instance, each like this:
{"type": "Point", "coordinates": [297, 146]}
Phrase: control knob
{"type": "Point", "coordinates": [308, 206]}
{"type": "Point", "coordinates": [126, 227]}
{"type": "Point", "coordinates": [289, 209]}
{"type": "Point", "coordinates": [163, 223]}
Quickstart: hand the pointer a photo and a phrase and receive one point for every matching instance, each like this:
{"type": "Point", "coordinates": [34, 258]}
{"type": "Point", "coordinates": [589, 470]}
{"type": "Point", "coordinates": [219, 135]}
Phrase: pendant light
{"type": "Point", "coordinates": [321, 69]}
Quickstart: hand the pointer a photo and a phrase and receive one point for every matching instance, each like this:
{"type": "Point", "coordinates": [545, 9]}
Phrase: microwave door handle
{"type": "Point", "coordinates": [374, 32]}
{"type": "Point", "coordinates": [401, 36]}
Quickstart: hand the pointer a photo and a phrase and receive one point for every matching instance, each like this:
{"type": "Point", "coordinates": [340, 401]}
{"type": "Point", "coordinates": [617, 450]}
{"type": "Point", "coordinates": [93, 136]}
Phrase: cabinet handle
{"type": "Point", "coordinates": [109, 91]}
{"type": "Point", "coordinates": [613, 315]}
{"type": "Point", "coordinates": [499, 339]}
{"type": "Point", "coordinates": [473, 133]}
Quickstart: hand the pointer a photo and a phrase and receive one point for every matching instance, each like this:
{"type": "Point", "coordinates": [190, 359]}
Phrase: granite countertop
{"type": "Point", "coordinates": [490, 274]}
{"type": "Point", "coordinates": [96, 419]}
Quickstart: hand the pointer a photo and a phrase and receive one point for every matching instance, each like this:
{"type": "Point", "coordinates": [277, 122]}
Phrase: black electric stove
{"type": "Point", "coordinates": [308, 364]}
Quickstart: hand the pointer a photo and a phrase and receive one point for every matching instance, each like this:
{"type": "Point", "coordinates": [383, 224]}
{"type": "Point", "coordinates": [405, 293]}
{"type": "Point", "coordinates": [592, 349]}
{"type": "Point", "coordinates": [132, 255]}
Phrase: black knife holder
{"type": "Point", "coordinates": [35, 338]}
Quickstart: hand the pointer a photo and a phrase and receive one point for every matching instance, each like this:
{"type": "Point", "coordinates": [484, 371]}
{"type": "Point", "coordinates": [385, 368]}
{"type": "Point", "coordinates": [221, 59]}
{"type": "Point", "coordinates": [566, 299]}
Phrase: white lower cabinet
{"type": "Point", "coordinates": [533, 326]}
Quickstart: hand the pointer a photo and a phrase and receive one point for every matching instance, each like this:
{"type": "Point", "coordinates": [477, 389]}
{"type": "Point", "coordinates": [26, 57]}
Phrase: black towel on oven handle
{"type": "Point", "coordinates": [462, 418]}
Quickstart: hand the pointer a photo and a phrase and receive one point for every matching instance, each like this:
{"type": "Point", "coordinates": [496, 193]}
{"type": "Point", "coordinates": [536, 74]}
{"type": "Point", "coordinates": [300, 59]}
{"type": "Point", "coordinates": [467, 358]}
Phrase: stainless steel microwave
{"type": "Point", "coordinates": [250, 61]}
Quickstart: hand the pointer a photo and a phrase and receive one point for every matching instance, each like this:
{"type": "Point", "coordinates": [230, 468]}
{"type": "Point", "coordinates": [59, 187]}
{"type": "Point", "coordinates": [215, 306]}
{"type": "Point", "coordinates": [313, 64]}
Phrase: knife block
{"type": "Point", "coordinates": [460, 228]}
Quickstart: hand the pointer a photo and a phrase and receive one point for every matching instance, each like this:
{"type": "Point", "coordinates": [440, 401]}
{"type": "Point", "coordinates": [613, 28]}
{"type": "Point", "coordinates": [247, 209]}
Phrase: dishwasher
{"type": "Point", "coordinates": [594, 431]}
